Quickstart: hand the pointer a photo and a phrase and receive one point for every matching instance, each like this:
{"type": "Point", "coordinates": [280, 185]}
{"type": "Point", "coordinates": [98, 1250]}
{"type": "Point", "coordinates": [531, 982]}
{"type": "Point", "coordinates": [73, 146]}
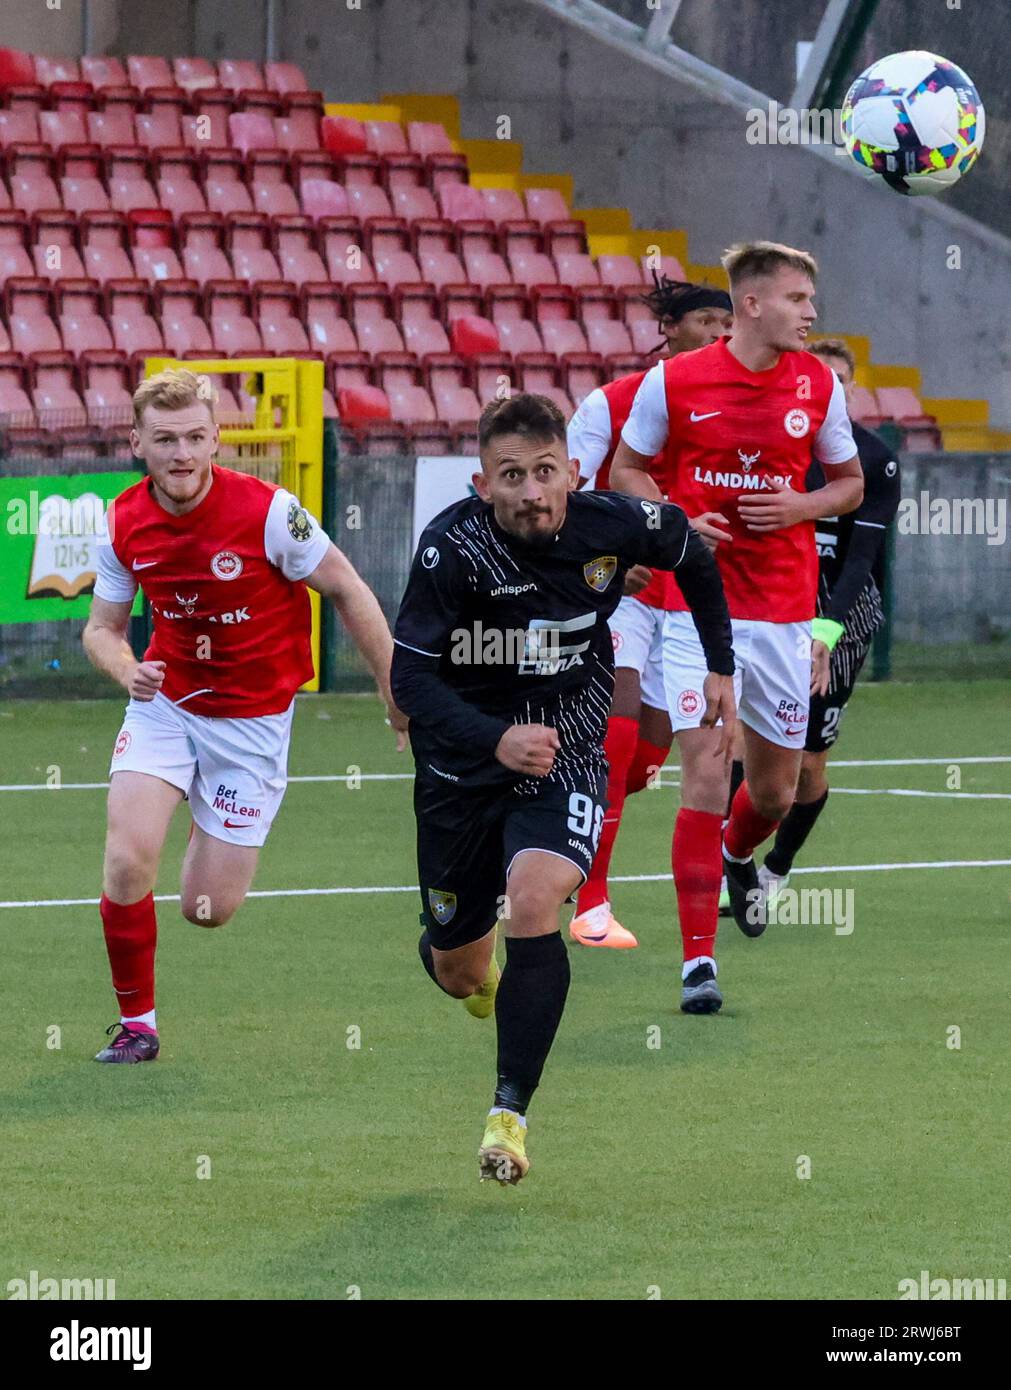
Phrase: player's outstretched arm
{"type": "Point", "coordinates": [105, 644]}
{"type": "Point", "coordinates": [337, 579]}
{"type": "Point", "coordinates": [629, 473]}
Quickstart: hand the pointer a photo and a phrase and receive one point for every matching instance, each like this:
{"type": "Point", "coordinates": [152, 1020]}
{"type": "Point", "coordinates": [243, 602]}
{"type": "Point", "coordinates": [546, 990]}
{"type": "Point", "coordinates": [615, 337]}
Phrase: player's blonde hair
{"type": "Point", "coordinates": [748, 260]}
{"type": "Point", "coordinates": [173, 389]}
{"type": "Point", "coordinates": [834, 347]}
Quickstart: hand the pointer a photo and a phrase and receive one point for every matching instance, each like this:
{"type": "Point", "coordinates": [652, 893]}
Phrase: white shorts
{"type": "Point", "coordinates": [234, 771]}
{"type": "Point", "coordinates": [772, 676]}
{"type": "Point", "coordinates": [637, 634]}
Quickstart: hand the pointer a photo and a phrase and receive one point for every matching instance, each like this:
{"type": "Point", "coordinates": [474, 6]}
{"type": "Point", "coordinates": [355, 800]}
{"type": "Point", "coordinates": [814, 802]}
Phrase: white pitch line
{"type": "Point", "coordinates": [906, 791]}
{"type": "Point", "coordinates": [620, 878]}
{"type": "Point", "coordinates": [408, 776]}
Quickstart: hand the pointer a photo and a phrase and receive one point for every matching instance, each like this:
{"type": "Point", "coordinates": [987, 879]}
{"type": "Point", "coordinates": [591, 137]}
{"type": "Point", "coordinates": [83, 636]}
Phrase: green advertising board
{"type": "Point", "coordinates": [49, 534]}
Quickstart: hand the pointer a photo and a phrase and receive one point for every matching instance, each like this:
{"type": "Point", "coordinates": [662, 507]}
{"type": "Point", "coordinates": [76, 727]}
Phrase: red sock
{"type": "Point", "coordinates": [746, 829]}
{"type": "Point", "coordinates": [619, 745]}
{"type": "Point", "coordinates": [698, 869]}
{"type": "Point", "coordinates": [648, 759]}
{"type": "Point", "coordinates": [131, 934]}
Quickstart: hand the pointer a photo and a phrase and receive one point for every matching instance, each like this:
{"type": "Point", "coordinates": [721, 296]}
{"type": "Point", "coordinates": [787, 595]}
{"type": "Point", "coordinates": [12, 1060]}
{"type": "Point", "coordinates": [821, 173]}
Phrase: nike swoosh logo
{"type": "Point", "coordinates": [794, 733]}
{"type": "Point", "coordinates": [238, 824]}
{"type": "Point", "coordinates": [708, 416]}
{"type": "Point", "coordinates": [144, 564]}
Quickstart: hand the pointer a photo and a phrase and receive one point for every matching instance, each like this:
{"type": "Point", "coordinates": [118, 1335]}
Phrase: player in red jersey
{"type": "Point", "coordinates": [739, 424]}
{"type": "Point", "coordinates": [638, 727]}
{"type": "Point", "coordinates": [224, 560]}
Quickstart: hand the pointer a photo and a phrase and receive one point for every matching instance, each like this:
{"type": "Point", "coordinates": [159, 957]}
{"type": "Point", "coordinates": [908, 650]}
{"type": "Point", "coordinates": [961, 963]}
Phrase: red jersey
{"type": "Point", "coordinates": [724, 431]}
{"type": "Point", "coordinates": [231, 617]}
{"type": "Point", "coordinates": [597, 426]}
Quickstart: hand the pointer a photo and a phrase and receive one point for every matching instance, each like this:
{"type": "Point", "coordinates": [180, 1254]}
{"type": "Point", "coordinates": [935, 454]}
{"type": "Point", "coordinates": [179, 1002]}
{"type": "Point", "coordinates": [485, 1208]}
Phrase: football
{"type": "Point", "coordinates": [915, 121]}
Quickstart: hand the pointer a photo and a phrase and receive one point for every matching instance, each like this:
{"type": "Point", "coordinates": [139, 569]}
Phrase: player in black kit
{"type": "Point", "coordinates": [503, 662]}
{"type": "Point", "coordinates": [851, 551]}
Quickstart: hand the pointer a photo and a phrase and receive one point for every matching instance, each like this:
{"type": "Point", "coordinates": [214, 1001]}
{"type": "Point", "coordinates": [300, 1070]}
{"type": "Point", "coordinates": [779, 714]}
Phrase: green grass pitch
{"type": "Point", "coordinates": [668, 1170]}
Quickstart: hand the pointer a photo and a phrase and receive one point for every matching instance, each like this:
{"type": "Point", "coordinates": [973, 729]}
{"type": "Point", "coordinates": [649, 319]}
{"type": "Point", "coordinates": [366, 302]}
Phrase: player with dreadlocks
{"type": "Point", "coordinates": [638, 729]}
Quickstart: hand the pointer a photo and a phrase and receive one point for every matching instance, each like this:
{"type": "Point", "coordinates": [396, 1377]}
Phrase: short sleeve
{"type": "Point", "coordinates": [293, 539]}
{"type": "Point", "coordinates": [113, 582]}
{"type": "Point", "coordinates": [433, 598]}
{"type": "Point", "coordinates": [589, 433]}
{"type": "Point", "coordinates": [647, 426]}
{"type": "Point", "coordinates": [834, 442]}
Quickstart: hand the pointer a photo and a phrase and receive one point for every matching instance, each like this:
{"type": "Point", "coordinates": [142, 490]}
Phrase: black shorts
{"type": "Point", "coordinates": [467, 841]}
{"type": "Point", "coordinates": [827, 710]}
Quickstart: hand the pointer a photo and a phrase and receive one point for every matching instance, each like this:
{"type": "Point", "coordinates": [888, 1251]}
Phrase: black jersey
{"type": "Point", "coordinates": [493, 631]}
{"type": "Point", "coordinates": [851, 548]}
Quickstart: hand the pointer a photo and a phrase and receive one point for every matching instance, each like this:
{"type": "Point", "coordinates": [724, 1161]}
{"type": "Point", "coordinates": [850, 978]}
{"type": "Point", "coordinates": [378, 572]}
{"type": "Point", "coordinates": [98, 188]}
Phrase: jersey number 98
{"type": "Point", "coordinates": [584, 816]}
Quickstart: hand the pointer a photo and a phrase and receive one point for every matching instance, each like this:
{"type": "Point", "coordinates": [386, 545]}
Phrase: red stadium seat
{"type": "Point", "coordinates": [17, 68]}
{"type": "Point", "coordinates": [127, 178]}
{"type": "Point", "coordinates": [294, 245]}
{"type": "Point", "coordinates": [507, 302]}
{"type": "Point", "coordinates": [323, 198]}
{"type": "Point", "coordinates": [410, 404]}
{"type": "Point", "coordinates": [668, 265]}
{"type": "Point", "coordinates": [360, 403]}
{"type": "Point", "coordinates": [15, 405]}
{"type": "Point", "coordinates": [113, 126]}
{"type": "Point", "coordinates": [646, 337]}
{"type": "Point", "coordinates": [82, 324]}
{"type": "Point", "coordinates": [343, 135]}
{"type": "Point", "coordinates": [349, 369]}
{"type": "Point", "coordinates": [179, 303]}
{"type": "Point", "coordinates": [321, 313]}
{"type": "Point", "coordinates": [285, 78]}
{"type": "Point", "coordinates": [342, 249]}
{"type": "Point", "coordinates": [248, 238]}
{"type": "Point", "coordinates": [607, 336]}
{"type": "Point", "coordinates": [582, 372]}
{"type": "Point", "coordinates": [129, 304]}
{"type": "Point", "coordinates": [519, 336]}
{"type": "Point", "coordinates": [441, 268]}
{"type": "Point", "coordinates": [432, 234]}
{"type": "Point", "coordinates": [233, 331]}
{"type": "Point", "coordinates": [517, 236]}
{"type": "Point", "coordinates": [471, 334]}
{"type": "Point", "coordinates": [383, 235]}
{"type": "Point", "coordinates": [459, 202]}
{"type": "Point", "coordinates": [224, 187]}
{"type": "Point", "coordinates": [563, 335]}
{"type": "Point", "coordinates": [104, 235]}
{"type": "Point", "coordinates": [902, 405]}
{"type": "Point", "coordinates": [486, 268]}
{"type": "Point", "coordinates": [546, 205]}
{"type": "Point", "coordinates": [54, 391]}
{"type": "Point", "coordinates": [14, 255]}
{"type": "Point", "coordinates": [159, 130]}
{"type": "Point", "coordinates": [193, 73]}
{"type": "Point", "coordinates": [75, 97]}
{"type": "Point", "coordinates": [29, 316]}
{"type": "Point", "coordinates": [276, 305]}
{"type": "Point", "coordinates": [81, 186]}
{"type": "Point", "coordinates": [251, 131]}
{"type": "Point", "coordinates": [378, 335]}
{"type": "Point", "coordinates": [457, 300]}
{"type": "Point", "coordinates": [864, 407]}
{"type": "Point", "coordinates": [413, 203]}
{"type": "Point", "coordinates": [50, 70]}
{"type": "Point", "coordinates": [424, 336]}
{"type": "Point", "coordinates": [156, 263]}
{"type": "Point", "coordinates": [414, 302]}
{"type": "Point", "coordinates": [597, 302]}
{"type": "Point", "coordinates": [565, 238]}
{"type": "Point", "coordinates": [448, 382]}
{"type": "Point", "coordinates": [502, 204]}
{"type": "Point", "coordinates": [385, 137]}
{"type": "Point", "coordinates": [239, 75]}
{"type": "Point", "coordinates": [552, 302]}
{"type": "Point", "coordinates": [620, 270]}
{"type": "Point", "coordinates": [103, 72]}
{"type": "Point", "coordinates": [202, 237]}
{"type": "Point", "coordinates": [426, 137]}
{"type": "Point", "coordinates": [177, 180]}
{"type": "Point", "coordinates": [430, 439]}
{"type": "Point", "coordinates": [145, 72]}
{"type": "Point", "coordinates": [397, 268]}
{"type": "Point", "coordinates": [19, 126]}
{"type": "Point", "coordinates": [54, 248]}
{"type": "Point", "coordinates": [631, 306]}
{"type": "Point", "coordinates": [262, 103]}
{"type": "Point", "coordinates": [30, 175]}
{"type": "Point", "coordinates": [492, 376]}
{"type": "Point", "coordinates": [405, 170]}
{"type": "Point", "coordinates": [532, 268]}
{"type": "Point", "coordinates": [208, 131]}
{"type": "Point", "coordinates": [368, 200]}
{"type": "Point", "coordinates": [268, 179]}
{"type": "Point", "coordinates": [576, 269]}
{"type": "Point", "coordinates": [297, 131]}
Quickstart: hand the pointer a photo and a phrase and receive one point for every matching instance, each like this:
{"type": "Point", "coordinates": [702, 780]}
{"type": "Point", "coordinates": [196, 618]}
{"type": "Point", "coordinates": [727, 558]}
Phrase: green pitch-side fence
{"type": "Point", "coordinates": [949, 603]}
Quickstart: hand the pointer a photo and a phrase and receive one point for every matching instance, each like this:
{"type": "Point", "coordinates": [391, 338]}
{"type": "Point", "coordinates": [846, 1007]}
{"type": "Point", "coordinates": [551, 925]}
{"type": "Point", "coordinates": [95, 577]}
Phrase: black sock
{"type": "Point", "coordinates": [793, 830]}
{"type": "Point", "coordinates": [425, 952]}
{"type": "Point", "coordinates": [528, 1010]}
{"type": "Point", "coordinates": [736, 778]}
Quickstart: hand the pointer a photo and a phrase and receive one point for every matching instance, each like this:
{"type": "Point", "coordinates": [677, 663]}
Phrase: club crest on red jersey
{"type": "Point", "coordinates": [797, 423]}
{"type": "Point", "coordinates": [598, 573]}
{"type": "Point", "coordinates": [226, 565]}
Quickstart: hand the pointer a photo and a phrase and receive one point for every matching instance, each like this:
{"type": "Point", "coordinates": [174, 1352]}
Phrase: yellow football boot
{"type": "Point", "coordinates": [502, 1155]}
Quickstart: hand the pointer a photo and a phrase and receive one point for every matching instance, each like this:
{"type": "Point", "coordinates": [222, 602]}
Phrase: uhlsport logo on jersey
{"type": "Point", "coordinates": [443, 905]}
{"type": "Point", "coordinates": [598, 573]}
{"type": "Point", "coordinates": [226, 565]}
{"type": "Point", "coordinates": [797, 423]}
{"type": "Point", "coordinates": [430, 557]}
